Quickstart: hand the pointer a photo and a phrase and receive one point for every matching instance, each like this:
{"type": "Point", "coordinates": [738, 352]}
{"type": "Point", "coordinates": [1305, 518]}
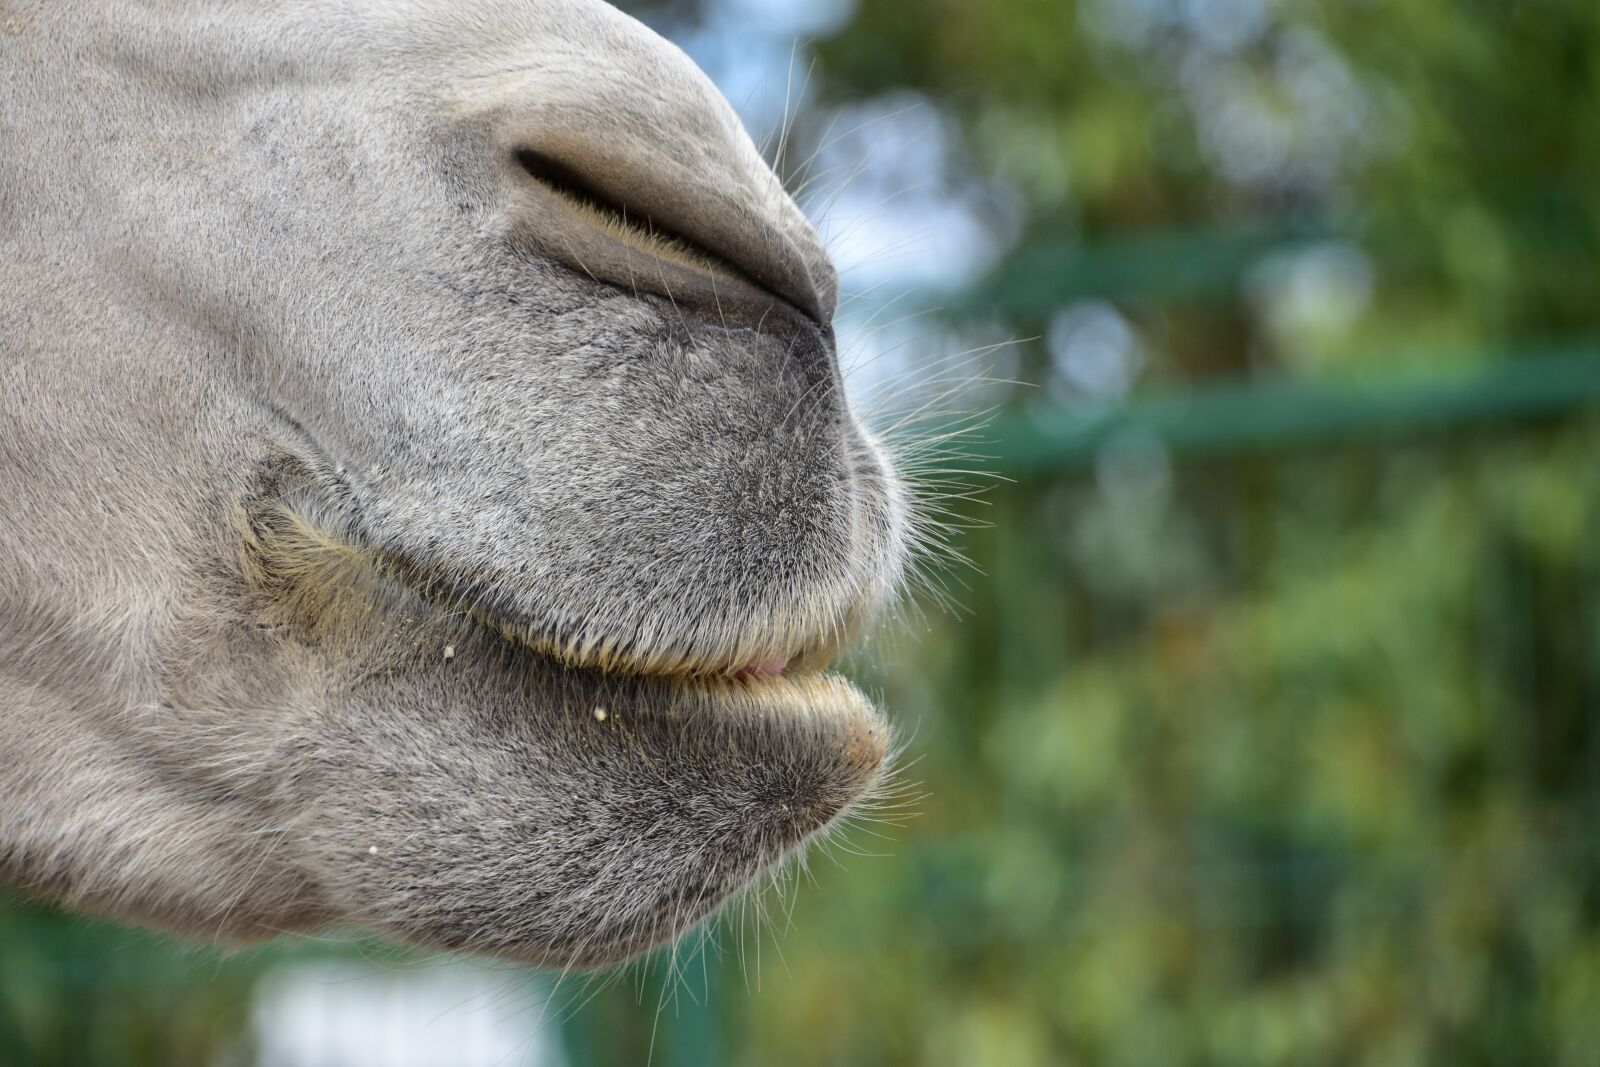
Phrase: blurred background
{"type": "Point", "coordinates": [1252, 711]}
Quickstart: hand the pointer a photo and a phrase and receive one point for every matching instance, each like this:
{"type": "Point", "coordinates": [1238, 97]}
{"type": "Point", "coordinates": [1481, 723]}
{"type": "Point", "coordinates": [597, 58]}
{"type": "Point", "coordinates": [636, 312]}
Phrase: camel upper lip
{"type": "Point", "coordinates": [573, 641]}
{"type": "Point", "coordinates": [332, 494]}
{"type": "Point", "coordinates": [610, 655]}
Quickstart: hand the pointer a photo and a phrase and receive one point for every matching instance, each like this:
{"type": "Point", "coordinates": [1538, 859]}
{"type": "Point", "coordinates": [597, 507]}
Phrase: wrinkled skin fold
{"type": "Point", "coordinates": [431, 499]}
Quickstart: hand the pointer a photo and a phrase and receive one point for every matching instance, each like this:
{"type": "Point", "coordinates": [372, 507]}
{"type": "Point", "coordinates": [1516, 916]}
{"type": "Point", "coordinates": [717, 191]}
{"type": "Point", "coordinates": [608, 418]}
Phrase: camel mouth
{"type": "Point", "coordinates": [799, 683]}
{"type": "Point", "coordinates": [802, 743]}
{"type": "Point", "coordinates": [716, 773]}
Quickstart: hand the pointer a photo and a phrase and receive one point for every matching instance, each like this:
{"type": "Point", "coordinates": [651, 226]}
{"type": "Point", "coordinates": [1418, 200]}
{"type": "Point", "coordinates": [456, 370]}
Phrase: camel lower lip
{"type": "Point", "coordinates": [824, 705]}
{"type": "Point", "coordinates": [815, 697]}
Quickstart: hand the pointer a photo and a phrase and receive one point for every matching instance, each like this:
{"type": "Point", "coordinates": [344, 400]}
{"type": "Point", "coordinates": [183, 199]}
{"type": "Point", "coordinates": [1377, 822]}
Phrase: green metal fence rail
{"type": "Point", "coordinates": [1244, 417]}
{"type": "Point", "coordinates": [1163, 267]}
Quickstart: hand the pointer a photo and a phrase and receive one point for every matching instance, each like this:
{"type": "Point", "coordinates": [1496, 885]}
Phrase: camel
{"type": "Point", "coordinates": [430, 500]}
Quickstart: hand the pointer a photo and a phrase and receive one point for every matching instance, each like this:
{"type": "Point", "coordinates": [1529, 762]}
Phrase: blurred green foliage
{"type": "Point", "coordinates": [1297, 765]}
{"type": "Point", "coordinates": [1287, 756]}
{"type": "Point", "coordinates": [74, 991]}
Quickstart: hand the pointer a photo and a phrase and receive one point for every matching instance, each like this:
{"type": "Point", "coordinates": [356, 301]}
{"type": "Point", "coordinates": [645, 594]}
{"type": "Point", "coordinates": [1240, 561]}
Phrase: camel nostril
{"type": "Point", "coordinates": [650, 213]}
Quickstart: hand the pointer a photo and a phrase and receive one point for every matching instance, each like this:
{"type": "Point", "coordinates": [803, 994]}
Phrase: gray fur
{"type": "Point", "coordinates": [381, 524]}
